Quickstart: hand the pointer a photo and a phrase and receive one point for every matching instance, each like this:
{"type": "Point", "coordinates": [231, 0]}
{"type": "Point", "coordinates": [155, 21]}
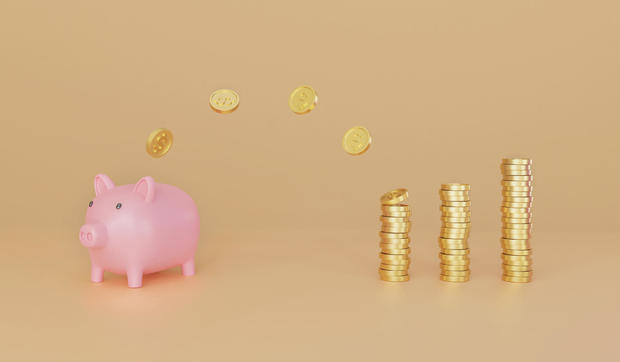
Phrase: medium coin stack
{"type": "Point", "coordinates": [395, 226]}
{"type": "Point", "coordinates": [516, 219]}
{"type": "Point", "coordinates": [455, 225]}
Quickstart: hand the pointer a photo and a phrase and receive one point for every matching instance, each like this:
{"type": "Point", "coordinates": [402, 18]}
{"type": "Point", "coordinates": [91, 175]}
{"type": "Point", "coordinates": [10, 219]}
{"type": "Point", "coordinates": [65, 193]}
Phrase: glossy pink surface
{"type": "Point", "coordinates": [139, 229]}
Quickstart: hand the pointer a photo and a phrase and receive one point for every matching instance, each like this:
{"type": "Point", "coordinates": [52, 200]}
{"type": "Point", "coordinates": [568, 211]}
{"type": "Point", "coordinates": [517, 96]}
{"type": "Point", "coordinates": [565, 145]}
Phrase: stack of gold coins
{"type": "Point", "coordinates": [516, 219]}
{"type": "Point", "coordinates": [395, 226]}
{"type": "Point", "coordinates": [455, 226]}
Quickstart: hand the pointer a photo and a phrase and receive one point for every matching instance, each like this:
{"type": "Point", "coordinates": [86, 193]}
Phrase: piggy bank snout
{"type": "Point", "coordinates": [93, 235]}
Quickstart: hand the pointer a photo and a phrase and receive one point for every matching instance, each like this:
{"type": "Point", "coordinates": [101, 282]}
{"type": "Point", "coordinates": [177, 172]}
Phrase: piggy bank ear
{"type": "Point", "coordinates": [145, 187]}
{"type": "Point", "coordinates": [102, 184]}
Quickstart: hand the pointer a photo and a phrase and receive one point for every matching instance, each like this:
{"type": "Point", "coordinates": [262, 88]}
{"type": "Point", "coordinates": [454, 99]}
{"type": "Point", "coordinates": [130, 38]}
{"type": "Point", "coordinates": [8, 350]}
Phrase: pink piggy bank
{"type": "Point", "coordinates": [139, 229]}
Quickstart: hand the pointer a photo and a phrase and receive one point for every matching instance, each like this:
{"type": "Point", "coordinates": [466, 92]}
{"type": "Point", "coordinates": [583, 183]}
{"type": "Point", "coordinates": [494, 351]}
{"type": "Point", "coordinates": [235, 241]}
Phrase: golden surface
{"type": "Point", "coordinates": [303, 99]}
{"type": "Point", "coordinates": [224, 101]}
{"type": "Point", "coordinates": [159, 142]}
{"type": "Point", "coordinates": [356, 140]}
{"type": "Point", "coordinates": [394, 197]}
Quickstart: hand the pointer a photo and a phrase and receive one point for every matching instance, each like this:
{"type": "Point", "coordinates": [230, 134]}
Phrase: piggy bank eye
{"type": "Point", "coordinates": [90, 204]}
{"type": "Point", "coordinates": [119, 205]}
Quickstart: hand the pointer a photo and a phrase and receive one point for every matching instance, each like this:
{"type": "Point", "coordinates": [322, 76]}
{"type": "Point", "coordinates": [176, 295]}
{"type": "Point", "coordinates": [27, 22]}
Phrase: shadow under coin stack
{"type": "Point", "coordinates": [455, 225]}
{"type": "Point", "coordinates": [516, 220]}
{"type": "Point", "coordinates": [395, 226]}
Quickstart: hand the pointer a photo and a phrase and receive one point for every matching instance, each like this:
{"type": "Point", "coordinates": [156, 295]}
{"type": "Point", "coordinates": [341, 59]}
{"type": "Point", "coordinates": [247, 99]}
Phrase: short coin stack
{"type": "Point", "coordinates": [516, 219]}
{"type": "Point", "coordinates": [395, 226]}
{"type": "Point", "coordinates": [455, 225]}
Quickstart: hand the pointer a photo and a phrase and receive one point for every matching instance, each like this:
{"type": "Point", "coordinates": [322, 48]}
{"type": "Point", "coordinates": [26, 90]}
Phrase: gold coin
{"type": "Point", "coordinates": [453, 244]}
{"type": "Point", "coordinates": [395, 251]}
{"type": "Point", "coordinates": [454, 279]}
{"type": "Point", "coordinates": [456, 203]}
{"type": "Point", "coordinates": [456, 215]}
{"type": "Point", "coordinates": [514, 235]}
{"type": "Point", "coordinates": [456, 225]}
{"type": "Point", "coordinates": [385, 256]}
{"type": "Point", "coordinates": [516, 189]}
{"type": "Point", "coordinates": [356, 141]}
{"type": "Point", "coordinates": [452, 241]}
{"type": "Point", "coordinates": [159, 142]}
{"type": "Point", "coordinates": [456, 187]}
{"type": "Point", "coordinates": [524, 260]}
{"type": "Point", "coordinates": [454, 210]}
{"type": "Point", "coordinates": [455, 251]}
{"type": "Point", "coordinates": [395, 229]}
{"type": "Point", "coordinates": [456, 219]}
{"type": "Point", "coordinates": [394, 220]}
{"type": "Point", "coordinates": [455, 262]}
{"type": "Point", "coordinates": [504, 166]}
{"type": "Point", "coordinates": [509, 215]}
{"type": "Point", "coordinates": [397, 214]}
{"type": "Point", "coordinates": [450, 257]}
{"type": "Point", "coordinates": [517, 226]}
{"type": "Point", "coordinates": [521, 268]}
{"type": "Point", "coordinates": [395, 242]}
{"type": "Point", "coordinates": [449, 235]}
{"type": "Point", "coordinates": [517, 252]}
{"type": "Point", "coordinates": [394, 197]}
{"type": "Point", "coordinates": [522, 274]}
{"type": "Point", "coordinates": [453, 267]}
{"type": "Point", "coordinates": [512, 220]}
{"type": "Point", "coordinates": [517, 183]}
{"type": "Point", "coordinates": [224, 100]}
{"type": "Point", "coordinates": [393, 236]}
{"type": "Point", "coordinates": [456, 273]}
{"type": "Point", "coordinates": [450, 231]}
{"type": "Point", "coordinates": [518, 199]}
{"type": "Point", "coordinates": [401, 241]}
{"type": "Point", "coordinates": [447, 194]}
{"type": "Point", "coordinates": [395, 208]}
{"type": "Point", "coordinates": [529, 178]}
{"type": "Point", "coordinates": [393, 267]}
{"type": "Point", "coordinates": [517, 172]}
{"type": "Point", "coordinates": [516, 244]}
{"type": "Point", "coordinates": [511, 279]}
{"type": "Point", "coordinates": [395, 262]}
{"type": "Point", "coordinates": [386, 278]}
{"type": "Point", "coordinates": [454, 198]}
{"type": "Point", "coordinates": [387, 272]}
{"type": "Point", "coordinates": [521, 194]}
{"type": "Point", "coordinates": [528, 194]}
{"type": "Point", "coordinates": [516, 161]}
{"type": "Point", "coordinates": [517, 205]}
{"type": "Point", "coordinates": [517, 210]}
{"type": "Point", "coordinates": [387, 248]}
{"type": "Point", "coordinates": [302, 100]}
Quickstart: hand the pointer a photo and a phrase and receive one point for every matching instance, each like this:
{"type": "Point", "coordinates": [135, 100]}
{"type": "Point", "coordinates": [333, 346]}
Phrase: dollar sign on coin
{"type": "Point", "coordinates": [356, 141]}
{"type": "Point", "coordinates": [302, 100]}
{"type": "Point", "coordinates": [224, 100]}
{"type": "Point", "coordinates": [159, 142]}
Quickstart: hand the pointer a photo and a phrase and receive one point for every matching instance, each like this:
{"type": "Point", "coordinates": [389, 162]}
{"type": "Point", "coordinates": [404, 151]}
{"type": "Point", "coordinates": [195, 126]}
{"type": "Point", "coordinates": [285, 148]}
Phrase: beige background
{"type": "Point", "coordinates": [287, 258]}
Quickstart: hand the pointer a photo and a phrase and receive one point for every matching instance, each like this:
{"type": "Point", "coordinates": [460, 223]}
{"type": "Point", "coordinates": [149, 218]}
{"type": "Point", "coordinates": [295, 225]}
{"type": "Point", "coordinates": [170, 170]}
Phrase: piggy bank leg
{"type": "Point", "coordinates": [188, 267]}
{"type": "Point", "coordinates": [134, 278]}
{"type": "Point", "coordinates": [96, 274]}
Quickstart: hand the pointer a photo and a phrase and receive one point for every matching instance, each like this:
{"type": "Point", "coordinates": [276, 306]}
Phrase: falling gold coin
{"type": "Point", "coordinates": [224, 100]}
{"type": "Point", "coordinates": [356, 141]}
{"type": "Point", "coordinates": [302, 100]}
{"type": "Point", "coordinates": [159, 142]}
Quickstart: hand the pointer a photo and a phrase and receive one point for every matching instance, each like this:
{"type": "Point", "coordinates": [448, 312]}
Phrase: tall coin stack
{"type": "Point", "coordinates": [455, 226]}
{"type": "Point", "coordinates": [395, 226]}
{"type": "Point", "coordinates": [516, 219]}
